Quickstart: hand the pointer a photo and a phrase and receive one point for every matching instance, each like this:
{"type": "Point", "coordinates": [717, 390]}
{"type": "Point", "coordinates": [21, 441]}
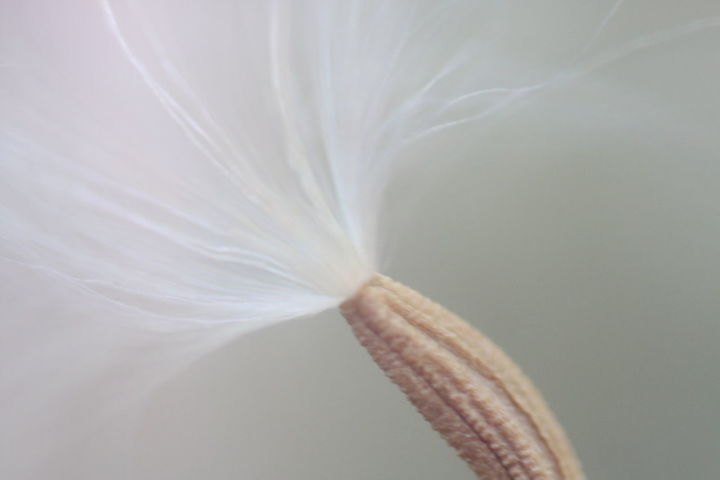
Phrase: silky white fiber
{"type": "Point", "coordinates": [220, 163]}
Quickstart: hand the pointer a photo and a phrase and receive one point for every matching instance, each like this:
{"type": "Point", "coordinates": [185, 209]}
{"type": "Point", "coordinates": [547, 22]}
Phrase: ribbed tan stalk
{"type": "Point", "coordinates": [462, 383]}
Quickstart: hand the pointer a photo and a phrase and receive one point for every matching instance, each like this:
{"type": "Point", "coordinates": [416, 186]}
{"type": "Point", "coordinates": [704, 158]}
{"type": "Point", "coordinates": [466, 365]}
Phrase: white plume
{"type": "Point", "coordinates": [223, 163]}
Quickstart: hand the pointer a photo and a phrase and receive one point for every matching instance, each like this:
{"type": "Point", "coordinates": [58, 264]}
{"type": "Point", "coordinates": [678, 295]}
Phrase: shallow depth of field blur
{"type": "Point", "coordinates": [582, 234]}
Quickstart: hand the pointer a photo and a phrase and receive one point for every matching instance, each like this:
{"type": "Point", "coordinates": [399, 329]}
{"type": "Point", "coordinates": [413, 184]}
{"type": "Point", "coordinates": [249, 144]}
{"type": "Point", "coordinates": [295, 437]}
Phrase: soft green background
{"type": "Point", "coordinates": [582, 235]}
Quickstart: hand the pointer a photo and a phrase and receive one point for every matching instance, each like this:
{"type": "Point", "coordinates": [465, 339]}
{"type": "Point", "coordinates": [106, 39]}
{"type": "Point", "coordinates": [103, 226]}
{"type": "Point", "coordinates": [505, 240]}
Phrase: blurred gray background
{"type": "Point", "coordinates": [582, 234]}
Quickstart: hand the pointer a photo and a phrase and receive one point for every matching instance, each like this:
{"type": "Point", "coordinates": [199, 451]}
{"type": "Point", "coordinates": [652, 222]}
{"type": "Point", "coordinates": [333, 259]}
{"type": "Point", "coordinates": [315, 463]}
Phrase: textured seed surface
{"type": "Point", "coordinates": [462, 383]}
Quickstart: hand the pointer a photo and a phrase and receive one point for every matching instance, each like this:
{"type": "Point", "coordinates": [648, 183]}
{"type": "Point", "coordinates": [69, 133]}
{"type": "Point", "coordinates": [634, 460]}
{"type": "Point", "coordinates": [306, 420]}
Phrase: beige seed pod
{"type": "Point", "coordinates": [462, 383]}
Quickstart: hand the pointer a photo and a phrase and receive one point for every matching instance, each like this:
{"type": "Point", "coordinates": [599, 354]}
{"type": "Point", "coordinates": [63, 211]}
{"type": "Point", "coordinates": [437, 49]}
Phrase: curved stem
{"type": "Point", "coordinates": [462, 383]}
